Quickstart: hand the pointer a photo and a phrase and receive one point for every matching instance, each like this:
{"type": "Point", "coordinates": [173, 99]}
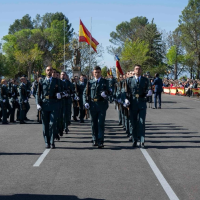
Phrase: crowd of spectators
{"type": "Point", "coordinates": [189, 83]}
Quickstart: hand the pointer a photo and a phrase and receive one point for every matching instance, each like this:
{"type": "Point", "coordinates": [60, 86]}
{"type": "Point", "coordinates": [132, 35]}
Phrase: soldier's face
{"type": "Point", "coordinates": [58, 75]}
{"type": "Point", "coordinates": [54, 74]}
{"type": "Point", "coordinates": [137, 71]}
{"type": "Point", "coordinates": [62, 76]}
{"type": "Point", "coordinates": [82, 79]}
{"type": "Point", "coordinates": [49, 71]}
{"type": "Point", "coordinates": [97, 74]}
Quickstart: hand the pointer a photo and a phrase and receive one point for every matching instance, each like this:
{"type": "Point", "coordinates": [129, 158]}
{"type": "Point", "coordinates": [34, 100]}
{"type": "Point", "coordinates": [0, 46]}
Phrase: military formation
{"type": "Point", "coordinates": [58, 100]}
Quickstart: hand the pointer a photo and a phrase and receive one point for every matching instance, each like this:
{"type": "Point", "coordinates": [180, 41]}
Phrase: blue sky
{"type": "Point", "coordinates": [106, 15]}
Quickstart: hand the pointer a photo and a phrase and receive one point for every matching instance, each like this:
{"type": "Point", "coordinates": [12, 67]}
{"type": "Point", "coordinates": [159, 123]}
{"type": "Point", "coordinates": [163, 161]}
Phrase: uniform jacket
{"type": "Point", "coordinates": [134, 89]}
{"type": "Point", "coordinates": [95, 90]}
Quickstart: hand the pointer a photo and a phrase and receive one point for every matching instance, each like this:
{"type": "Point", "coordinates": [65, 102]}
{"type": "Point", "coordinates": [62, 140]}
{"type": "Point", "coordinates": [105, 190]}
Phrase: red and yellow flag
{"type": "Point", "coordinates": [85, 36]}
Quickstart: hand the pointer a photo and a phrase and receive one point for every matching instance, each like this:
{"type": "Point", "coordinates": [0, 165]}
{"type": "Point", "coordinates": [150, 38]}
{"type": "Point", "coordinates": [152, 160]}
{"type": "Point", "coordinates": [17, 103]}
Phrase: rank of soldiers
{"type": "Point", "coordinates": [55, 94]}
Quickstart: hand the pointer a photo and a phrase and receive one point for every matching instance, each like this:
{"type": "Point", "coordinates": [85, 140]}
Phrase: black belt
{"type": "Point", "coordinates": [49, 97]}
{"type": "Point", "coordinates": [96, 100]}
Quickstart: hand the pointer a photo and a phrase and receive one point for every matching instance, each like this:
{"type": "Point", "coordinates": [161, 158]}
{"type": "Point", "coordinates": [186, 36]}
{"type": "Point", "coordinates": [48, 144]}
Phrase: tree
{"type": "Point", "coordinates": [154, 39]}
{"type": "Point", "coordinates": [104, 71]}
{"type": "Point", "coordinates": [32, 49]}
{"type": "Point", "coordinates": [189, 24]}
{"type": "Point", "coordinates": [135, 52]}
{"type": "Point", "coordinates": [19, 24]}
{"type": "Point", "coordinates": [175, 58]}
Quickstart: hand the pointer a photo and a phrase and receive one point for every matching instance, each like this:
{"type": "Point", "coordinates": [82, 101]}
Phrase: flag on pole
{"type": "Point", "coordinates": [85, 36]}
{"type": "Point", "coordinates": [108, 72]}
{"type": "Point", "coordinates": [118, 67]}
{"type": "Point", "coordinates": [111, 72]}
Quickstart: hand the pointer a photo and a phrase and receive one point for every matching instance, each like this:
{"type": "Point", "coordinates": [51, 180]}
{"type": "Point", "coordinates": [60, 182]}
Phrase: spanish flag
{"type": "Point", "coordinates": [111, 72]}
{"type": "Point", "coordinates": [85, 36]}
{"type": "Point", "coordinates": [118, 67]}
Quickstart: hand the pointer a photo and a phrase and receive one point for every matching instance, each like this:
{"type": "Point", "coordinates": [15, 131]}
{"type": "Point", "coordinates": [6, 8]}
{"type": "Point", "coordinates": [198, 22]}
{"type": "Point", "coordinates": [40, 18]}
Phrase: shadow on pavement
{"type": "Point", "coordinates": [42, 197]}
{"type": "Point", "coordinates": [4, 154]}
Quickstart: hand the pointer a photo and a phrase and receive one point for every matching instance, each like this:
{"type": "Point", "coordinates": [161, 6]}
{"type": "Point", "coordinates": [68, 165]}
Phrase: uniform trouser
{"type": "Point", "coordinates": [126, 118]}
{"type": "Point", "coordinates": [18, 110]}
{"type": "Point", "coordinates": [49, 125]}
{"type": "Point", "coordinates": [5, 106]}
{"type": "Point", "coordinates": [60, 117]}
{"type": "Point", "coordinates": [157, 94]}
{"type": "Point", "coordinates": [12, 111]}
{"type": "Point", "coordinates": [98, 121]}
{"type": "Point", "coordinates": [68, 112]}
{"type": "Point", "coordinates": [137, 117]}
{"type": "Point", "coordinates": [120, 116]}
{"type": "Point", "coordinates": [27, 109]}
{"type": "Point", "coordinates": [81, 111]}
{"type": "Point", "coordinates": [23, 108]}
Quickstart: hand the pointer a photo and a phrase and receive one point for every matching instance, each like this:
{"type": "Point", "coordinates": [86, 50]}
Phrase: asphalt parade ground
{"type": "Point", "coordinates": [169, 167]}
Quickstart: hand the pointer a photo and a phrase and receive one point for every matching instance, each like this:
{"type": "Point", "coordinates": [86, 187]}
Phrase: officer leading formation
{"type": "Point", "coordinates": [58, 99]}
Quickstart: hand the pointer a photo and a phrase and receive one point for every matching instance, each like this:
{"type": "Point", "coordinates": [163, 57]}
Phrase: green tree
{"type": "Point", "coordinates": [174, 58]}
{"type": "Point", "coordinates": [104, 71]}
{"type": "Point", "coordinates": [135, 52]}
{"type": "Point", "coordinates": [189, 24]}
{"type": "Point", "coordinates": [19, 24]}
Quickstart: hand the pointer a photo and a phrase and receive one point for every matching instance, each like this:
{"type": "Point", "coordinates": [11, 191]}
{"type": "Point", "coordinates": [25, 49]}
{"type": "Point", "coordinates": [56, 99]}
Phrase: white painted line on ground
{"type": "Point", "coordinates": [41, 158]}
{"type": "Point", "coordinates": [171, 194]}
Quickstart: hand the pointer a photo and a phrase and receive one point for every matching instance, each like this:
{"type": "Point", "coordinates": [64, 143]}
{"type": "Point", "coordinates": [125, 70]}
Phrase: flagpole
{"type": "Point", "coordinates": [90, 48]}
{"type": "Point", "coordinates": [64, 44]}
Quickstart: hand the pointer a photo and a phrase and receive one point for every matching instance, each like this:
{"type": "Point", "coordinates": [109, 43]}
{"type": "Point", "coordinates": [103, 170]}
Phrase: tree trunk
{"type": "Point", "coordinates": [191, 73]}
{"type": "Point", "coordinates": [175, 71]}
{"type": "Point", "coordinates": [29, 72]}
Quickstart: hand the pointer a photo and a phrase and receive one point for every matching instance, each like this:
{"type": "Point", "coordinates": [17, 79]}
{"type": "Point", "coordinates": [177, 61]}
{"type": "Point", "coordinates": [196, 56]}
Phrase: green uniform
{"type": "Point", "coordinates": [68, 107]}
{"type": "Point", "coordinates": [111, 82]}
{"type": "Point", "coordinates": [23, 101]}
{"type": "Point", "coordinates": [50, 105]}
{"type": "Point", "coordinates": [138, 91]}
{"type": "Point", "coordinates": [81, 88]}
{"type": "Point", "coordinates": [14, 102]}
{"type": "Point", "coordinates": [98, 107]}
{"type": "Point", "coordinates": [4, 103]}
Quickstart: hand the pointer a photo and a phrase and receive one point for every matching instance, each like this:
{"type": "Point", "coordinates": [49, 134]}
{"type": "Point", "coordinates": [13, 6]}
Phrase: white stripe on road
{"type": "Point", "coordinates": [41, 158]}
{"type": "Point", "coordinates": [160, 177]}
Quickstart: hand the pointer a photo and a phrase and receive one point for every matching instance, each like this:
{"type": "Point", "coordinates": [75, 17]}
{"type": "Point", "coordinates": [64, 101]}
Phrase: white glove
{"type": "Point", "coordinates": [66, 94]}
{"type": "Point", "coordinates": [127, 102]}
{"type": "Point", "coordinates": [125, 105]}
{"type": "Point", "coordinates": [25, 101]}
{"type": "Point", "coordinates": [103, 95]}
{"type": "Point", "coordinates": [119, 100]}
{"type": "Point", "coordinates": [58, 96]}
{"type": "Point", "coordinates": [149, 93]}
{"type": "Point", "coordinates": [76, 98]}
{"type": "Point", "coordinates": [13, 95]}
{"type": "Point", "coordinates": [87, 106]}
{"type": "Point", "coordinates": [39, 107]}
{"type": "Point", "coordinates": [4, 100]}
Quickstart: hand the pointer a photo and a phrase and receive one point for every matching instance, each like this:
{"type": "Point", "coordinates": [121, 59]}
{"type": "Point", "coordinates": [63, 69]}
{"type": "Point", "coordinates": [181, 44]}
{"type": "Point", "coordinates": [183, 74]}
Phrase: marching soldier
{"type": "Point", "coordinates": [112, 82]}
{"type": "Point", "coordinates": [23, 100]}
{"type": "Point", "coordinates": [138, 88]}
{"type": "Point", "coordinates": [95, 99]}
{"type": "Point", "coordinates": [76, 99]}
{"type": "Point", "coordinates": [81, 88]}
{"type": "Point", "coordinates": [4, 101]}
{"type": "Point", "coordinates": [117, 97]}
{"type": "Point", "coordinates": [48, 94]}
{"type": "Point", "coordinates": [14, 102]}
